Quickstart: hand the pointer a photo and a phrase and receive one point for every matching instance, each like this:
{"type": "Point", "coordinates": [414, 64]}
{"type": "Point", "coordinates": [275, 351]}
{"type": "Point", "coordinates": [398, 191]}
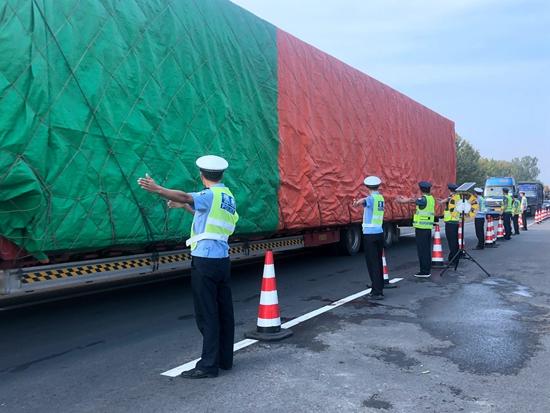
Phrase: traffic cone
{"type": "Point", "coordinates": [386, 272]}
{"type": "Point", "coordinates": [537, 216]}
{"type": "Point", "coordinates": [437, 249]}
{"type": "Point", "coordinates": [489, 235]}
{"type": "Point", "coordinates": [500, 229]}
{"type": "Point", "coordinates": [460, 238]}
{"type": "Point", "coordinates": [269, 318]}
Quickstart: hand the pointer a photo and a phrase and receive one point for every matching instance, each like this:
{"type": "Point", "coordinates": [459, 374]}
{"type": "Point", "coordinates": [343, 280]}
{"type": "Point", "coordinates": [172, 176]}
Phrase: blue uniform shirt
{"type": "Point", "coordinates": [482, 211]}
{"type": "Point", "coordinates": [206, 248]}
{"type": "Point", "coordinates": [368, 203]}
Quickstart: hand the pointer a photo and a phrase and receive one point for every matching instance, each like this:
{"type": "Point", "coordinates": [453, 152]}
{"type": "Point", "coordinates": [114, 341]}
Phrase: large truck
{"type": "Point", "coordinates": [494, 194]}
{"type": "Point", "coordinates": [96, 94]}
{"type": "Point", "coordinates": [534, 191]}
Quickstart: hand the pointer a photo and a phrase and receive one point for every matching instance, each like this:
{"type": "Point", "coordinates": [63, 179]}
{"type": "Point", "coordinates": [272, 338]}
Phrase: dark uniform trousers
{"type": "Point", "coordinates": [515, 220]}
{"type": "Point", "coordinates": [374, 247]}
{"type": "Point", "coordinates": [480, 231]}
{"type": "Point", "coordinates": [451, 233]}
{"type": "Point", "coordinates": [210, 281]}
{"type": "Point", "coordinates": [424, 249]}
{"type": "Point", "coordinates": [507, 218]}
{"type": "Point", "coordinates": [524, 219]}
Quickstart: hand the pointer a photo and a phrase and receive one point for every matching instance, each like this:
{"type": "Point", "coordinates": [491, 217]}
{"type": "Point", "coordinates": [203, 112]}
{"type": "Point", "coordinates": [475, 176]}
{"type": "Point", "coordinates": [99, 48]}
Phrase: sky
{"type": "Point", "coordinates": [485, 64]}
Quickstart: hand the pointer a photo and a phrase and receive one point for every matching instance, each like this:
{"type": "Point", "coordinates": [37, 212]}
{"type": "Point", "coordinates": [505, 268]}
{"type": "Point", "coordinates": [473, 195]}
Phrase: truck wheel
{"type": "Point", "coordinates": [390, 234]}
{"type": "Point", "coordinates": [351, 240]}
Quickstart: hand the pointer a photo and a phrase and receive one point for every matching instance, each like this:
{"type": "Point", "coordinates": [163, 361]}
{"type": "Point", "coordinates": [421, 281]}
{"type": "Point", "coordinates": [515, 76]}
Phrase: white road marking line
{"type": "Point", "coordinates": [176, 371]}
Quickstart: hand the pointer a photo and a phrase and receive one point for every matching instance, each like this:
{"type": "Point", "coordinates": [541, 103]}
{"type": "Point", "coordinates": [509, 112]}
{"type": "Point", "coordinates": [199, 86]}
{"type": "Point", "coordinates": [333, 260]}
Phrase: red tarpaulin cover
{"type": "Point", "coordinates": [338, 125]}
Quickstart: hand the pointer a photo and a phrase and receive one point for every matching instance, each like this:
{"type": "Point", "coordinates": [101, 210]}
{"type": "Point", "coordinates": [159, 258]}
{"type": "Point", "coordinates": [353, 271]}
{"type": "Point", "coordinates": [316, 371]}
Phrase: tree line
{"type": "Point", "coordinates": [472, 167]}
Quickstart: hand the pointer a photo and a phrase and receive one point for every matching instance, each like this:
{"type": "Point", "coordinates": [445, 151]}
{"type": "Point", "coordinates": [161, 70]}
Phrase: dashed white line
{"type": "Point", "coordinates": [176, 371]}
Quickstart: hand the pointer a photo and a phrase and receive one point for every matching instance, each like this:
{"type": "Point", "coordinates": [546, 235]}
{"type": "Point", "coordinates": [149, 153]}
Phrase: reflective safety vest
{"type": "Point", "coordinates": [481, 207]}
{"type": "Point", "coordinates": [221, 220]}
{"type": "Point", "coordinates": [377, 218]}
{"type": "Point", "coordinates": [451, 214]}
{"type": "Point", "coordinates": [508, 204]}
{"type": "Point", "coordinates": [516, 207]}
{"type": "Point", "coordinates": [424, 218]}
{"type": "Point", "coordinates": [524, 203]}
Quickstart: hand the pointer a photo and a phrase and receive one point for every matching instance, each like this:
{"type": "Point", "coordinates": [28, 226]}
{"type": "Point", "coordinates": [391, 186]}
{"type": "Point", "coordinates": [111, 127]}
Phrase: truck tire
{"type": "Point", "coordinates": [390, 234]}
{"type": "Point", "coordinates": [351, 239]}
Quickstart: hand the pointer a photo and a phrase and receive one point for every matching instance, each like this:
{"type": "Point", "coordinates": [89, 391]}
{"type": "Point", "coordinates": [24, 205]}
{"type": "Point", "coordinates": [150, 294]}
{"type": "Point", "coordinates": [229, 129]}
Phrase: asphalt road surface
{"type": "Point", "coordinates": [458, 343]}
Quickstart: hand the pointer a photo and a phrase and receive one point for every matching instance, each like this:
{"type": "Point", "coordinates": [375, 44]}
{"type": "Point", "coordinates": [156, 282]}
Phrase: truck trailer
{"type": "Point", "coordinates": [96, 94]}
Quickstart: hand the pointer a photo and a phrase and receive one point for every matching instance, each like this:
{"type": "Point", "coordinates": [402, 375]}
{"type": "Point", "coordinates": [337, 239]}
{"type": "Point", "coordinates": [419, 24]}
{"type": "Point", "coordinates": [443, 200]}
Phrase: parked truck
{"type": "Point", "coordinates": [494, 194]}
{"type": "Point", "coordinates": [96, 94]}
{"type": "Point", "coordinates": [534, 191]}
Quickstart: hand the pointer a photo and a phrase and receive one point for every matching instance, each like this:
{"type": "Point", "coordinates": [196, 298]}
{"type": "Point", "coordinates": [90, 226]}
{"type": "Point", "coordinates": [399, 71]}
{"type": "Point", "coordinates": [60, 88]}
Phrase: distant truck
{"type": "Point", "coordinates": [535, 195]}
{"type": "Point", "coordinates": [494, 193]}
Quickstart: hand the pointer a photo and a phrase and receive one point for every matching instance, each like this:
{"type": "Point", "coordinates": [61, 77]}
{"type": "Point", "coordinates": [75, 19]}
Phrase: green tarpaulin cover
{"type": "Point", "coordinates": [96, 93]}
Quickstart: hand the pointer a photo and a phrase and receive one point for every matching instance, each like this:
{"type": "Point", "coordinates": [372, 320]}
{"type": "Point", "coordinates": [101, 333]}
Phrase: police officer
{"type": "Point", "coordinates": [507, 208]}
{"type": "Point", "coordinates": [451, 217]}
{"type": "Point", "coordinates": [215, 217]}
{"type": "Point", "coordinates": [373, 234]}
{"type": "Point", "coordinates": [516, 210]}
{"type": "Point", "coordinates": [423, 222]}
{"type": "Point", "coordinates": [480, 219]}
{"type": "Point", "coordinates": [524, 205]}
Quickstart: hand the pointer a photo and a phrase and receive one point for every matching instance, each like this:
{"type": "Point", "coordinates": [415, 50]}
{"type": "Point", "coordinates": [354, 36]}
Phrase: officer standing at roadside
{"type": "Point", "coordinates": [507, 208]}
{"type": "Point", "coordinates": [516, 211]}
{"type": "Point", "coordinates": [524, 205]}
{"type": "Point", "coordinates": [423, 222]}
{"type": "Point", "coordinates": [215, 217]}
{"type": "Point", "coordinates": [451, 217]}
{"type": "Point", "coordinates": [373, 234]}
{"type": "Point", "coordinates": [480, 219]}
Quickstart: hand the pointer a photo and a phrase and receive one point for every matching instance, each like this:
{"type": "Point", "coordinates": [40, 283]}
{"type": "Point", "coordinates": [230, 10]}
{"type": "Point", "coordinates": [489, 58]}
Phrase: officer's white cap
{"type": "Point", "coordinates": [372, 181]}
{"type": "Point", "coordinates": [212, 163]}
{"type": "Point", "coordinates": [478, 190]}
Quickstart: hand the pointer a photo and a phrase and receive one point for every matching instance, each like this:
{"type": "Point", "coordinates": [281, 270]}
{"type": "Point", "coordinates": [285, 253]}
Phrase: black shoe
{"type": "Point", "coordinates": [375, 296]}
{"type": "Point", "coordinates": [479, 247]}
{"type": "Point", "coordinates": [507, 239]}
{"type": "Point", "coordinates": [226, 367]}
{"type": "Point", "coordinates": [198, 374]}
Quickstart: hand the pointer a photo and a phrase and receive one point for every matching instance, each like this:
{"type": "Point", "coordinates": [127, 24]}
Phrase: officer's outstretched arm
{"type": "Point", "coordinates": [402, 200]}
{"type": "Point", "coordinates": [150, 185]}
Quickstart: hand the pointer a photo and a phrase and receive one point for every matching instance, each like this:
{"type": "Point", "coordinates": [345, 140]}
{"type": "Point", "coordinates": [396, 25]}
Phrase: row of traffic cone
{"type": "Point", "coordinates": [541, 215]}
{"type": "Point", "coordinates": [490, 239]}
{"type": "Point", "coordinates": [269, 319]}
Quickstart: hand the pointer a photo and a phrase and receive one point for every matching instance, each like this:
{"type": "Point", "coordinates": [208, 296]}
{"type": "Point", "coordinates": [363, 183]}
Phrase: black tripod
{"type": "Point", "coordinates": [462, 253]}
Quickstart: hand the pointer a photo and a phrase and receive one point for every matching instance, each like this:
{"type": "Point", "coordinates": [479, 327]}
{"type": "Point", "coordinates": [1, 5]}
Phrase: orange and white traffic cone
{"type": "Point", "coordinates": [537, 216]}
{"type": "Point", "coordinates": [386, 273]}
{"type": "Point", "coordinates": [500, 230]}
{"type": "Point", "coordinates": [269, 318]}
{"type": "Point", "coordinates": [437, 249]}
{"type": "Point", "coordinates": [490, 234]}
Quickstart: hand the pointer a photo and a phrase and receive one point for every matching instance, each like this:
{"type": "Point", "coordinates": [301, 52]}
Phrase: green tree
{"type": "Point", "coordinates": [494, 167]}
{"type": "Point", "coordinates": [525, 168]}
{"type": "Point", "coordinates": [468, 168]}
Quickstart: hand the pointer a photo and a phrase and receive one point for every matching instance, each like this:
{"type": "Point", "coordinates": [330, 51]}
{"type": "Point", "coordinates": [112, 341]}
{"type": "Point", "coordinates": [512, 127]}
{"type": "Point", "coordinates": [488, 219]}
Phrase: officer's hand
{"type": "Point", "coordinates": [174, 204]}
{"type": "Point", "coordinates": [149, 184]}
{"type": "Point", "coordinates": [355, 202]}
